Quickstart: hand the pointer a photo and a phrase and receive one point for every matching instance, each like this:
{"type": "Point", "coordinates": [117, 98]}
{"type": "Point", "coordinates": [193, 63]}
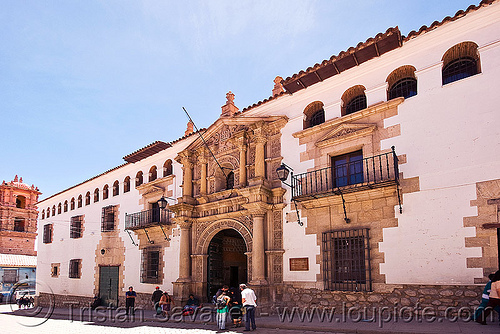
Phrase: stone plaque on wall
{"type": "Point", "coordinates": [299, 264]}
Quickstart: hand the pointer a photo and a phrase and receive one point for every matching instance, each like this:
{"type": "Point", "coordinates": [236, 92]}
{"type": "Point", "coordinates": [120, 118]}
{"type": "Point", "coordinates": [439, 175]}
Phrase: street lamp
{"type": "Point", "coordinates": [283, 171]}
{"type": "Point", "coordinates": [162, 202]}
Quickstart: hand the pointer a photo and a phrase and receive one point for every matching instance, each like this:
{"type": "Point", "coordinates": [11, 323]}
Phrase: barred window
{"type": "Point", "coordinates": [167, 168]}
{"type": "Point", "coordinates": [53, 210]}
{"type": "Point", "coordinates": [138, 178]}
{"type": "Point", "coordinates": [150, 267]}
{"type": "Point", "coordinates": [10, 276]}
{"type": "Point", "coordinates": [59, 206]}
{"type": "Point", "coordinates": [108, 218]}
{"type": "Point", "coordinates": [96, 195]}
{"type": "Point", "coordinates": [152, 173]}
{"type": "Point", "coordinates": [460, 61]}
{"type": "Point", "coordinates": [356, 104]}
{"type": "Point", "coordinates": [87, 198]}
{"type": "Point", "coordinates": [346, 260]}
{"type": "Point", "coordinates": [314, 114]}
{"type": "Point", "coordinates": [75, 231]}
{"type": "Point", "coordinates": [47, 233]}
{"type": "Point", "coordinates": [318, 117]}
{"type": "Point", "coordinates": [65, 206]}
{"type": "Point", "coordinates": [80, 201]}
{"type": "Point", "coordinates": [43, 214]}
{"type": "Point", "coordinates": [406, 87]}
{"type": "Point", "coordinates": [72, 205]}
{"type": "Point", "coordinates": [75, 268]}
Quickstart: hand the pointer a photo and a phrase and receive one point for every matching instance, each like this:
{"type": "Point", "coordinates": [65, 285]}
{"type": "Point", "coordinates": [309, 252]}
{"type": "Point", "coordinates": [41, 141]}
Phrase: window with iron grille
{"type": "Point", "coordinates": [348, 169]}
{"type": "Point", "coordinates": [357, 103]}
{"type": "Point", "coordinates": [150, 268]}
{"type": "Point", "coordinates": [47, 233]}
{"type": "Point", "coordinates": [458, 69]}
{"type": "Point", "coordinates": [317, 118]}
{"type": "Point", "coordinates": [346, 260]}
{"type": "Point", "coordinates": [75, 268]}
{"type": "Point", "coordinates": [75, 231]}
{"type": "Point", "coordinates": [406, 87]}
{"type": "Point", "coordinates": [108, 218]}
{"type": "Point", "coordinates": [9, 276]}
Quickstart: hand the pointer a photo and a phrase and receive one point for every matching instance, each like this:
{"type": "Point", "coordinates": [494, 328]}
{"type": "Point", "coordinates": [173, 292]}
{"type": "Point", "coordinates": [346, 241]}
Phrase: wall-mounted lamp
{"type": "Point", "coordinates": [162, 202]}
{"type": "Point", "coordinates": [283, 171]}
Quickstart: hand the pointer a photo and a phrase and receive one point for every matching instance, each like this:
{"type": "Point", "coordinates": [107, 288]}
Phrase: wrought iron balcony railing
{"type": "Point", "coordinates": [147, 218]}
{"type": "Point", "coordinates": [371, 172]}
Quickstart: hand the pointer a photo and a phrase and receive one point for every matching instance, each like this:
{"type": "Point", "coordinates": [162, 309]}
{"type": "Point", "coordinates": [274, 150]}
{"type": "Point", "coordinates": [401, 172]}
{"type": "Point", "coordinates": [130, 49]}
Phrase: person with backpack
{"type": "Point", "coordinates": [165, 302]}
{"type": "Point", "coordinates": [222, 306]}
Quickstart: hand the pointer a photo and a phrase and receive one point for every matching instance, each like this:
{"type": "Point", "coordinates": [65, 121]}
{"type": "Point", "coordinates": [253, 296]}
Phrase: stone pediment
{"type": "Point", "coordinates": [345, 132]}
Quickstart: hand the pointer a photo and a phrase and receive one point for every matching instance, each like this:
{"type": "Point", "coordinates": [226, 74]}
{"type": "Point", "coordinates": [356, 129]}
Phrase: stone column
{"type": "Point", "coordinates": [258, 250]}
{"type": "Point", "coordinates": [187, 189]}
{"type": "Point", "coordinates": [203, 178]}
{"type": "Point", "coordinates": [184, 252]}
{"type": "Point", "coordinates": [260, 163]}
{"type": "Point", "coordinates": [243, 165]}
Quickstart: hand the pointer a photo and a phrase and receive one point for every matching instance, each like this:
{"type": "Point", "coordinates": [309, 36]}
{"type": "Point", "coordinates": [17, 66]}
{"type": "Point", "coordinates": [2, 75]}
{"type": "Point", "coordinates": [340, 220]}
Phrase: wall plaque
{"type": "Point", "coordinates": [299, 264]}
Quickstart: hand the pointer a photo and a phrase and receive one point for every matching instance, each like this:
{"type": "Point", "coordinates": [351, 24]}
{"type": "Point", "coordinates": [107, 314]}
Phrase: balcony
{"type": "Point", "coordinates": [148, 218]}
{"type": "Point", "coordinates": [356, 175]}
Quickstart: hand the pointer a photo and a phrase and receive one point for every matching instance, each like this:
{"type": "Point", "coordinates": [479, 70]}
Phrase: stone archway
{"type": "Point", "coordinates": [201, 250]}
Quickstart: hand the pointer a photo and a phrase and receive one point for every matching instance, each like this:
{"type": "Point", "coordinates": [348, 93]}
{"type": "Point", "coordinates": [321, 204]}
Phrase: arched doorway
{"type": "Point", "coordinates": [227, 262]}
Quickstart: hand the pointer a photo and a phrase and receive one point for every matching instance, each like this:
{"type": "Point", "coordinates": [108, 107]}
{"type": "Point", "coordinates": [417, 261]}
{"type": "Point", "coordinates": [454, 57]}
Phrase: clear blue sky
{"type": "Point", "coordinates": [84, 83]}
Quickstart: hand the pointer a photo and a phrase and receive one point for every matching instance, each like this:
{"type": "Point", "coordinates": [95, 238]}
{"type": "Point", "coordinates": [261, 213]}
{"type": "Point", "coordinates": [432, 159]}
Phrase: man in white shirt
{"type": "Point", "coordinates": [248, 299]}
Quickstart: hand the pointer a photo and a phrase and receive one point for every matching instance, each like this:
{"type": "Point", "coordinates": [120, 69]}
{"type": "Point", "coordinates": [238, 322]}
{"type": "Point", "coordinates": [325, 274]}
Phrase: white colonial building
{"type": "Point", "coordinates": [393, 197]}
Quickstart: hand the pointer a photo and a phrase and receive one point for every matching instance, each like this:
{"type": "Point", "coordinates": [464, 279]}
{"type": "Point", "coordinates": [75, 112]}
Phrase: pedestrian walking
{"type": "Point", "coordinates": [155, 299]}
{"type": "Point", "coordinates": [222, 305]}
{"type": "Point", "coordinates": [166, 302]}
{"type": "Point", "coordinates": [485, 298]}
{"type": "Point", "coordinates": [249, 301]}
{"type": "Point", "coordinates": [494, 300]}
{"type": "Point", "coordinates": [130, 296]}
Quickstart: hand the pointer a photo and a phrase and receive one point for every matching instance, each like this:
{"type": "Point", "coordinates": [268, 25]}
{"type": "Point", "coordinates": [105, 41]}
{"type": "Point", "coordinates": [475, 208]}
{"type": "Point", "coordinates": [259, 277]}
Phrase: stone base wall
{"type": "Point", "coordinates": [143, 301]}
{"type": "Point", "coordinates": [437, 298]}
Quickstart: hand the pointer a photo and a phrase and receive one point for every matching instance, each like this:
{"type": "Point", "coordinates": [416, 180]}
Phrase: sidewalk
{"type": "Point", "coordinates": [336, 324]}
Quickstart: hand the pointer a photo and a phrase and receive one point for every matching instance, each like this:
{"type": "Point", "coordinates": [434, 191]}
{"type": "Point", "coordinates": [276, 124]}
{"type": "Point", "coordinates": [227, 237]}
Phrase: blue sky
{"type": "Point", "coordinates": [84, 83]}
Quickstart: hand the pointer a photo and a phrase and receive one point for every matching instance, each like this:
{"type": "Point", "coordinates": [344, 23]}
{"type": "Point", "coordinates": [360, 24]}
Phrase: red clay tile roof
{"type": "Point", "coordinates": [313, 74]}
{"type": "Point", "coordinates": [147, 151]}
{"type": "Point", "coordinates": [458, 15]}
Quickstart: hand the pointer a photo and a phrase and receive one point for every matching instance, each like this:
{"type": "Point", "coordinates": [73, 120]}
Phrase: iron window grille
{"type": "Point", "coordinates": [346, 260]}
{"type": "Point", "coordinates": [76, 227]}
{"type": "Point", "coordinates": [406, 87]}
{"type": "Point", "coordinates": [458, 69]}
{"type": "Point", "coordinates": [150, 268]}
{"type": "Point", "coordinates": [126, 185]}
{"type": "Point", "coordinates": [47, 233]}
{"type": "Point", "coordinates": [116, 188]}
{"type": "Point", "coordinates": [74, 268]}
{"type": "Point", "coordinates": [317, 118]}
{"type": "Point", "coordinates": [108, 219]}
{"type": "Point", "coordinates": [105, 192]}
{"type": "Point", "coordinates": [357, 103]}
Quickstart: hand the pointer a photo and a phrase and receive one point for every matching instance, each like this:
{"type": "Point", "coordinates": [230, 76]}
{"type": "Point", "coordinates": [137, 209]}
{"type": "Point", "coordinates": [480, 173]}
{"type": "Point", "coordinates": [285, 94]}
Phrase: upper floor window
{"type": "Point", "coordinates": [353, 99]}
{"type": "Point", "coordinates": [48, 212]}
{"type": "Point", "coordinates": [20, 202]}
{"type": "Point", "coordinates": [76, 225]}
{"type": "Point", "coordinates": [138, 179]}
{"type": "Point", "coordinates": [19, 225]}
{"type": "Point", "coordinates": [80, 201]}
{"type": "Point", "coordinates": [72, 205]}
{"type": "Point", "coordinates": [53, 210]}
{"type": "Point", "coordinates": [126, 184]}
{"type": "Point", "coordinates": [105, 192]}
{"type": "Point", "coordinates": [87, 198]}
{"type": "Point", "coordinates": [402, 83]}
{"type": "Point", "coordinates": [96, 195]}
{"type": "Point", "coordinates": [116, 188]}
{"type": "Point", "coordinates": [460, 61]}
{"type": "Point", "coordinates": [47, 233]}
{"type": "Point", "coordinates": [167, 168]}
{"type": "Point", "coordinates": [59, 208]}
{"type": "Point", "coordinates": [65, 206]}
{"type": "Point", "coordinates": [108, 218]}
{"type": "Point", "coordinates": [43, 214]}
{"type": "Point", "coordinates": [151, 265]}
{"type": "Point", "coordinates": [152, 173]}
{"type": "Point", "coordinates": [314, 114]}
{"type": "Point", "coordinates": [348, 169]}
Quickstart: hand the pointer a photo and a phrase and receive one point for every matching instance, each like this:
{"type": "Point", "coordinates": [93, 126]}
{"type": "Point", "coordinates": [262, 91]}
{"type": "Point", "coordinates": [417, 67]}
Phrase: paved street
{"type": "Point", "coordinates": [13, 324]}
{"type": "Point", "coordinates": [26, 321]}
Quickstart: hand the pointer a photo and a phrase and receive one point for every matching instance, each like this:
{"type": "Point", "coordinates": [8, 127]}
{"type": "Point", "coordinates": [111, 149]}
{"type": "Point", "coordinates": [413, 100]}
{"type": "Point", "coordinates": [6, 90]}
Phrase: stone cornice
{"type": "Point", "coordinates": [331, 124]}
